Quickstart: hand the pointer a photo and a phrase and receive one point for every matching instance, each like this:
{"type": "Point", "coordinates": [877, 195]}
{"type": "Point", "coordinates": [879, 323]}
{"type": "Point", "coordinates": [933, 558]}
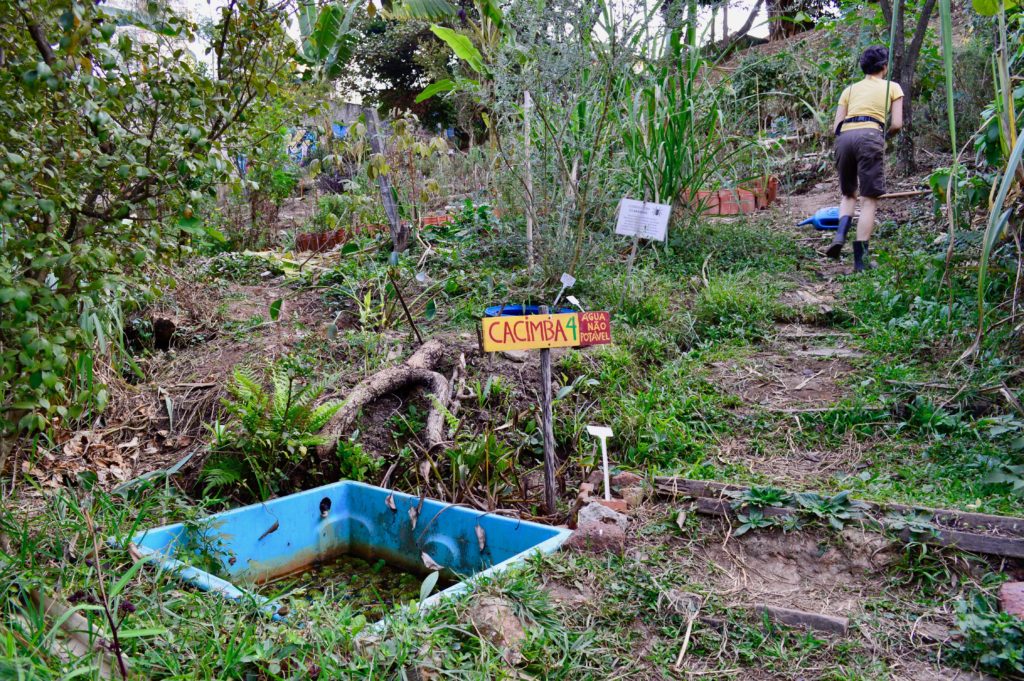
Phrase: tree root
{"type": "Point", "coordinates": [417, 370]}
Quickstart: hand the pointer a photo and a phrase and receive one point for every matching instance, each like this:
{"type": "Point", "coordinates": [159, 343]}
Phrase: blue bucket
{"type": "Point", "coordinates": [259, 543]}
{"type": "Point", "coordinates": [825, 218]}
{"type": "Point", "coordinates": [519, 310]}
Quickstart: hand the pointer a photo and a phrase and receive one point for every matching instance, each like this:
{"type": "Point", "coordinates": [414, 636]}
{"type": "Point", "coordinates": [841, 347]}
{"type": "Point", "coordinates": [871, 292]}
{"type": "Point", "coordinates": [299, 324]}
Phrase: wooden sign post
{"type": "Point", "coordinates": [547, 427]}
{"type": "Point", "coordinates": [543, 332]}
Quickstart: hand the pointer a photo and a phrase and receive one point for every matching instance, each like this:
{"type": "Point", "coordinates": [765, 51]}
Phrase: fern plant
{"type": "Point", "coordinates": [267, 430]}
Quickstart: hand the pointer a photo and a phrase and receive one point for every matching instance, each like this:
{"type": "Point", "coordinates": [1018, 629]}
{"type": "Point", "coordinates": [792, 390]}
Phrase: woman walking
{"type": "Point", "coordinates": [860, 144]}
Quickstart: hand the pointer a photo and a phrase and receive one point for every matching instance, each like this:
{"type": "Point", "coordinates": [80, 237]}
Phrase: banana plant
{"type": "Point", "coordinates": [327, 37]}
{"type": "Point", "coordinates": [487, 32]}
{"type": "Point", "coordinates": [425, 10]}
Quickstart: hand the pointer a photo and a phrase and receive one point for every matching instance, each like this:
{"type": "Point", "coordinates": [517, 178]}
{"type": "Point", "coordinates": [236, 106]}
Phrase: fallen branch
{"type": "Point", "coordinates": [417, 370]}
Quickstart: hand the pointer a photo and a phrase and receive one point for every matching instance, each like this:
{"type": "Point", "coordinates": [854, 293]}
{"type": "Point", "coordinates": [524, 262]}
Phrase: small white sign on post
{"type": "Point", "coordinates": [603, 433]}
{"type": "Point", "coordinates": [567, 282]}
{"type": "Point", "coordinates": [643, 220]}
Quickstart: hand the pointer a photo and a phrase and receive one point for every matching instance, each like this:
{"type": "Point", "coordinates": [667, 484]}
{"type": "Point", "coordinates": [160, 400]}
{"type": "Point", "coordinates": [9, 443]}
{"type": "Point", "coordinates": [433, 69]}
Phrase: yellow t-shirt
{"type": "Point", "coordinates": [867, 98]}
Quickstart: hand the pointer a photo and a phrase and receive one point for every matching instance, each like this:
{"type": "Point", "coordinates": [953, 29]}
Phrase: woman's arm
{"type": "Point", "coordinates": [841, 116]}
{"type": "Point", "coordinates": [897, 116]}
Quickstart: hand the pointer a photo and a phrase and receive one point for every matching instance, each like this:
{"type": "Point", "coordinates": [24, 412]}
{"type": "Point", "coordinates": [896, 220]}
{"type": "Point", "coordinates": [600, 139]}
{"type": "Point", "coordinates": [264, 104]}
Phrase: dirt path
{"type": "Point", "coordinates": [807, 365]}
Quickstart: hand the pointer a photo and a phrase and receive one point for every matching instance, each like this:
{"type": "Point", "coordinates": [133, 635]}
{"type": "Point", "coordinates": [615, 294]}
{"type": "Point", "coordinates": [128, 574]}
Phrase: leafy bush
{"type": "Point", "coordinates": [267, 430]}
{"type": "Point", "coordinates": [356, 206]}
{"type": "Point", "coordinates": [112, 141]}
{"type": "Point", "coordinates": [242, 267]}
{"type": "Point", "coordinates": [732, 247]}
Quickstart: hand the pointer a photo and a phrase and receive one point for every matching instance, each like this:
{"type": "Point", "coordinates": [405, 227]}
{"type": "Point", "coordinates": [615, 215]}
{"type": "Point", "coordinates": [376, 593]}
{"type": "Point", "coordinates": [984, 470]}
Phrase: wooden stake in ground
{"type": "Point", "coordinates": [547, 427]}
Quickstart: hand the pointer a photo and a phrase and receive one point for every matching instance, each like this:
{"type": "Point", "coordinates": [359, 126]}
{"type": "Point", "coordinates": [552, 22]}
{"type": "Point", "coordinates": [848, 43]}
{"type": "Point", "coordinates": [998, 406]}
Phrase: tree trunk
{"type": "Point", "coordinates": [904, 65]}
{"type": "Point", "coordinates": [399, 230]}
{"type": "Point", "coordinates": [906, 163]}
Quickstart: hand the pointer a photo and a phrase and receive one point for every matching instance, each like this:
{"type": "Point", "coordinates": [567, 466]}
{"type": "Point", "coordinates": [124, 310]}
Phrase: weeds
{"type": "Point", "coordinates": [729, 306]}
{"type": "Point", "coordinates": [992, 640]}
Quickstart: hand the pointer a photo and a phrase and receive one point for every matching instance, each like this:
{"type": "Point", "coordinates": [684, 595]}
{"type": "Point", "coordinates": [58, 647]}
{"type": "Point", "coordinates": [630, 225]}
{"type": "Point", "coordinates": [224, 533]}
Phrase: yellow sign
{"type": "Point", "coordinates": [531, 332]}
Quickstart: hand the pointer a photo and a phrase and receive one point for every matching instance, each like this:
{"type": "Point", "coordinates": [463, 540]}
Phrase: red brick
{"type": "Point", "coordinates": [1011, 598]}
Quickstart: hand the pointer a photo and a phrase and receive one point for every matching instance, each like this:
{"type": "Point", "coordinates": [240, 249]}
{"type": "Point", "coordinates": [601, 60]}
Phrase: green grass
{"type": "Point", "coordinates": [712, 297]}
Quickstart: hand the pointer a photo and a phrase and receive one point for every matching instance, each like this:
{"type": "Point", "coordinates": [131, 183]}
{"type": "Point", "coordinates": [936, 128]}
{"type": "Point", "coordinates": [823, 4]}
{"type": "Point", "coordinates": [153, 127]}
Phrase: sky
{"type": "Point", "coordinates": [738, 12]}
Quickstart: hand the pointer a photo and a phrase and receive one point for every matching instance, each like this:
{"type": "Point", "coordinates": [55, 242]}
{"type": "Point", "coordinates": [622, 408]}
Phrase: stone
{"type": "Point", "coordinates": [633, 496]}
{"type": "Point", "coordinates": [497, 623]}
{"type": "Point", "coordinates": [618, 480]}
{"type": "Point", "coordinates": [933, 632]}
{"type": "Point", "coordinates": [517, 356]}
{"type": "Point", "coordinates": [600, 529]}
{"type": "Point", "coordinates": [680, 602]}
{"type": "Point", "coordinates": [598, 538]}
{"type": "Point", "coordinates": [1011, 598]}
{"type": "Point", "coordinates": [597, 513]}
{"type": "Point", "coordinates": [627, 479]}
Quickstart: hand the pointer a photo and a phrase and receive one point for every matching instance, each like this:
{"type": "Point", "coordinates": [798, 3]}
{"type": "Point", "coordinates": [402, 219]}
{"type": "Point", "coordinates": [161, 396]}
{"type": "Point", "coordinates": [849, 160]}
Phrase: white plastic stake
{"type": "Point", "coordinates": [603, 433]}
{"type": "Point", "coordinates": [567, 282]}
{"type": "Point", "coordinates": [575, 301]}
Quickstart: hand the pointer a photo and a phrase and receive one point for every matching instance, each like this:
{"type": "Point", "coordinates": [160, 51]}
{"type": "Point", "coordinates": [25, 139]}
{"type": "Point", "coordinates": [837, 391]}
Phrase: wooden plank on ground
{"type": "Point", "coordinates": [710, 499]}
{"type": "Point", "coordinates": [799, 618]}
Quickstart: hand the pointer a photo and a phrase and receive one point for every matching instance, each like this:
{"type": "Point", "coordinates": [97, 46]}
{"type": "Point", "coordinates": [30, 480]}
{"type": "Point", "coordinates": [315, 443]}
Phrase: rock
{"type": "Point", "coordinates": [681, 602]}
{"type": "Point", "coordinates": [627, 479]}
{"type": "Point", "coordinates": [1011, 598]}
{"type": "Point", "coordinates": [599, 529]}
{"type": "Point", "coordinates": [933, 632]}
{"type": "Point", "coordinates": [517, 356]}
{"type": "Point", "coordinates": [623, 479]}
{"type": "Point", "coordinates": [496, 623]}
{"type": "Point", "coordinates": [633, 496]}
{"type": "Point", "coordinates": [596, 513]}
{"type": "Point", "coordinates": [598, 538]}
{"type": "Point", "coordinates": [582, 499]}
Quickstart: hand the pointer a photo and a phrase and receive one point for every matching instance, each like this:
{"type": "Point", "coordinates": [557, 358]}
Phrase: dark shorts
{"type": "Point", "coordinates": [859, 161]}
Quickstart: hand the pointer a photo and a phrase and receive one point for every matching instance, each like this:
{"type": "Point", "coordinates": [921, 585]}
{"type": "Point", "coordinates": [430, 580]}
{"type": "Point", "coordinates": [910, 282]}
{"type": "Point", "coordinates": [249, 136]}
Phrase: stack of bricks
{"type": "Point", "coordinates": [738, 201]}
{"type": "Point", "coordinates": [434, 220]}
{"type": "Point", "coordinates": [325, 241]}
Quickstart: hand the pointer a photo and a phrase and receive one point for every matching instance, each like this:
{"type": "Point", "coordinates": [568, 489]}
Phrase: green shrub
{"type": "Point", "coordinates": [110, 144]}
{"type": "Point", "coordinates": [355, 207]}
{"type": "Point", "coordinates": [354, 463]}
{"type": "Point", "coordinates": [732, 247]}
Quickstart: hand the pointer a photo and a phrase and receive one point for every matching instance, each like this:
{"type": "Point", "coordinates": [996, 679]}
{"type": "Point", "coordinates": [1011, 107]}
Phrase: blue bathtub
{"type": "Point", "coordinates": [261, 542]}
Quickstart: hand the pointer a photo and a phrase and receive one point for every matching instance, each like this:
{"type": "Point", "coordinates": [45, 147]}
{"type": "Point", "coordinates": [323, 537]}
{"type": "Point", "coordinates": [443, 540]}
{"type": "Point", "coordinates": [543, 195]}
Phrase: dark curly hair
{"type": "Point", "coordinates": [874, 59]}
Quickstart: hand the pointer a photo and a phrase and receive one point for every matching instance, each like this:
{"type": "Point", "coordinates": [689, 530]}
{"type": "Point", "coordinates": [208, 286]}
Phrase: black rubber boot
{"type": "Point", "coordinates": [861, 257]}
{"type": "Point", "coordinates": [836, 249]}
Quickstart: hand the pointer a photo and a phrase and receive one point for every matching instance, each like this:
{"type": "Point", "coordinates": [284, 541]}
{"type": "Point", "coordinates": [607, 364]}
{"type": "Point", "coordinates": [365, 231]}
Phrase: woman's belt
{"type": "Point", "coordinates": [860, 119]}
